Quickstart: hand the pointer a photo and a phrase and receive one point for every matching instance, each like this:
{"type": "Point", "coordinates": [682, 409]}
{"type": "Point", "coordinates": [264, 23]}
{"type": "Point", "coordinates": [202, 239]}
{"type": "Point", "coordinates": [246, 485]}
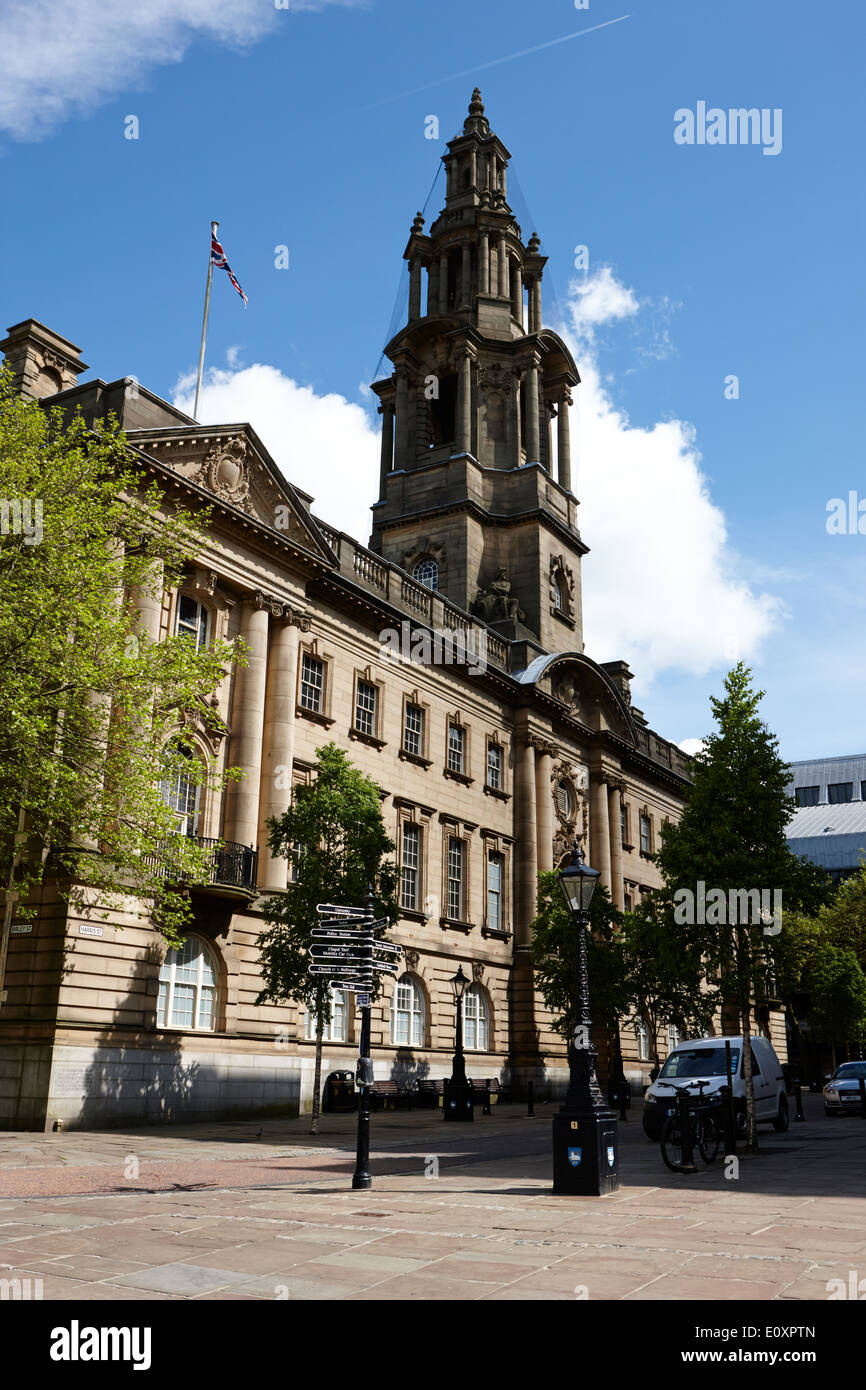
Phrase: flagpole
{"type": "Point", "coordinates": [214, 226]}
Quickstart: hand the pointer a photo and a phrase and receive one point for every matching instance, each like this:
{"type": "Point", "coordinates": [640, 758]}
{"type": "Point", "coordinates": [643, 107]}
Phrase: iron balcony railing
{"type": "Point", "coordinates": [230, 865]}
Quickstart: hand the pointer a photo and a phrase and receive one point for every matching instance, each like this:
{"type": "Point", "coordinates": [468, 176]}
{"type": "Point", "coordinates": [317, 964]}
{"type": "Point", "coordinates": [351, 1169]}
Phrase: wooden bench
{"type": "Point", "coordinates": [501, 1094]}
{"type": "Point", "coordinates": [428, 1092]}
{"type": "Point", "coordinates": [383, 1093]}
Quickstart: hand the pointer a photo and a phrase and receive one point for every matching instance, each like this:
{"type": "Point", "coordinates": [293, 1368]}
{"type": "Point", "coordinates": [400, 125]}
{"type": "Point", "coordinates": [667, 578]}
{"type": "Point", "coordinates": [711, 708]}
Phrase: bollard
{"type": "Point", "coordinates": [730, 1127]}
{"type": "Point", "coordinates": [688, 1163]}
{"type": "Point", "coordinates": [530, 1101]}
{"type": "Point", "coordinates": [798, 1099]}
{"type": "Point", "coordinates": [486, 1107]}
{"type": "Point", "coordinates": [863, 1095]}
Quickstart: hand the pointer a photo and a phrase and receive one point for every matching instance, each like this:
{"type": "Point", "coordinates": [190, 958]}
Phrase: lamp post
{"type": "Point", "coordinates": [457, 1093]}
{"type": "Point", "coordinates": [585, 1158]}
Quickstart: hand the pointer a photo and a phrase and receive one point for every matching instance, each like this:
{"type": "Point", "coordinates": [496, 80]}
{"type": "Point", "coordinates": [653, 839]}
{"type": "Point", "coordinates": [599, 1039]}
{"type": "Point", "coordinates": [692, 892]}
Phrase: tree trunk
{"type": "Point", "coordinates": [317, 1075]}
{"type": "Point", "coordinates": [751, 1126]}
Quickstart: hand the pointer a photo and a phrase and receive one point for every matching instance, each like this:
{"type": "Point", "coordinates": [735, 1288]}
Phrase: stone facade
{"type": "Point", "coordinates": [490, 765]}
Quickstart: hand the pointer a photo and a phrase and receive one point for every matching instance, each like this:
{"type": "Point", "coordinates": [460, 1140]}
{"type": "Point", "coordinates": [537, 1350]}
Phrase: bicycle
{"type": "Point", "coordinates": [706, 1132]}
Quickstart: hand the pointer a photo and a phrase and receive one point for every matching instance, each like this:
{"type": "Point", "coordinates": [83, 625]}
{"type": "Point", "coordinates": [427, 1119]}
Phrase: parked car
{"type": "Point", "coordinates": [842, 1091]}
{"type": "Point", "coordinates": [704, 1060]}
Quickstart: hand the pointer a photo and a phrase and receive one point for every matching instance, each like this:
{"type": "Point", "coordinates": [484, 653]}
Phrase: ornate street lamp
{"type": "Point", "coordinates": [584, 1129]}
{"type": "Point", "coordinates": [457, 1093]}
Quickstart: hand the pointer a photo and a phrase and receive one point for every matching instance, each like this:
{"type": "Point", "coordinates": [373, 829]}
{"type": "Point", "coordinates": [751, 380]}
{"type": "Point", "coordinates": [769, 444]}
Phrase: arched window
{"type": "Point", "coordinates": [427, 573]}
{"type": "Point", "coordinates": [180, 791]}
{"type": "Point", "coordinates": [559, 600]}
{"type": "Point", "coordinates": [407, 1016]}
{"type": "Point", "coordinates": [337, 1029]}
{"type": "Point", "coordinates": [188, 987]}
{"type": "Point", "coordinates": [565, 800]}
{"type": "Point", "coordinates": [643, 1040]}
{"type": "Point", "coordinates": [192, 620]}
{"type": "Point", "coordinates": [476, 1020]}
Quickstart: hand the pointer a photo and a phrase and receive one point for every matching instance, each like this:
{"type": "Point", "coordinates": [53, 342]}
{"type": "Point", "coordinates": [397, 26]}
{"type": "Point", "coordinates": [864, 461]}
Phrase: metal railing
{"type": "Point", "coordinates": [228, 865]}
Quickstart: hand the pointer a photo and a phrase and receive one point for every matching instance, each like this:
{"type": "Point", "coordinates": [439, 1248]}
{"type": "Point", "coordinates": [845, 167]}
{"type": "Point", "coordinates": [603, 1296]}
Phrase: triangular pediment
{"type": "Point", "coordinates": [231, 463]}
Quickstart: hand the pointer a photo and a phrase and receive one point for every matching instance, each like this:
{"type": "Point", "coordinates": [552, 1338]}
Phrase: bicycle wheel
{"type": "Point", "coordinates": [672, 1144]}
{"type": "Point", "coordinates": [710, 1139]}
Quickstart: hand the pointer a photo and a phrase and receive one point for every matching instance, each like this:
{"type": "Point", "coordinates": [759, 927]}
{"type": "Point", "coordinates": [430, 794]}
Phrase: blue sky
{"type": "Point", "coordinates": [292, 127]}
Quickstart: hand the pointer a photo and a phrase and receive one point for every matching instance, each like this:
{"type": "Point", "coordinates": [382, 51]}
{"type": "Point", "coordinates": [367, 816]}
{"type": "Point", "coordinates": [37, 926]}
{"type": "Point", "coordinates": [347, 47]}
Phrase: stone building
{"type": "Point", "coordinates": [501, 742]}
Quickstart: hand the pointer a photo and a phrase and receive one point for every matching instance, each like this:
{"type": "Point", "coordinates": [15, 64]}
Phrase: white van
{"type": "Point", "coordinates": [704, 1060]}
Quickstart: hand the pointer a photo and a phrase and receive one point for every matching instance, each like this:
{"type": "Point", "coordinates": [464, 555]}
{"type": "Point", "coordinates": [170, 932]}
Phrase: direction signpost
{"type": "Point", "coordinates": [345, 949]}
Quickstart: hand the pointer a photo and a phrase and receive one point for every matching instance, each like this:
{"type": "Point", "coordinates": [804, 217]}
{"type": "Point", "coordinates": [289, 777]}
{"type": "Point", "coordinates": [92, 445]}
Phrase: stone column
{"type": "Point", "coordinates": [532, 423]}
{"type": "Point", "coordinates": [484, 265]}
{"type": "Point", "coordinates": [544, 805]}
{"type": "Point", "coordinates": [473, 168]}
{"type": "Point", "coordinates": [433, 287]}
{"type": "Point", "coordinates": [414, 289]}
{"type": "Point", "coordinates": [148, 603]}
{"type": "Point", "coordinates": [615, 790]}
{"type": "Point", "coordinates": [516, 419]}
{"type": "Point", "coordinates": [278, 741]}
{"type": "Point", "coordinates": [387, 460]}
{"type": "Point", "coordinates": [536, 300]}
{"type": "Point", "coordinates": [504, 287]}
{"type": "Point", "coordinates": [401, 457]}
{"type": "Point", "coordinates": [517, 292]}
{"type": "Point", "coordinates": [466, 278]}
{"type": "Point", "coordinates": [464, 405]}
{"type": "Point", "coordinates": [564, 441]}
{"type": "Point", "coordinates": [525, 850]}
{"type": "Point", "coordinates": [443, 284]}
{"type": "Point", "coordinates": [600, 828]}
{"type": "Point", "coordinates": [547, 416]}
{"type": "Point", "coordinates": [247, 724]}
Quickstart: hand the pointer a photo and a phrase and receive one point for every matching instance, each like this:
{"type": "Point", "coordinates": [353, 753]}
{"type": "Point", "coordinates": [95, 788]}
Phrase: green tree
{"type": "Point", "coordinates": [334, 835]}
{"type": "Point", "coordinates": [821, 967]}
{"type": "Point", "coordinates": [837, 985]}
{"type": "Point", "coordinates": [88, 706]}
{"type": "Point", "coordinates": [664, 971]}
{"type": "Point", "coordinates": [732, 837]}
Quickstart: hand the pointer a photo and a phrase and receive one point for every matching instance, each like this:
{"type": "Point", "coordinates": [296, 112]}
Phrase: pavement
{"type": "Point", "coordinates": [250, 1211]}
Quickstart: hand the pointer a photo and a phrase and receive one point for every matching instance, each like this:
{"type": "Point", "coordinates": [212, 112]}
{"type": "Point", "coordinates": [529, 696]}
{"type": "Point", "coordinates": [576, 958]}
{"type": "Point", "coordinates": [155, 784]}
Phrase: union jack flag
{"type": "Point", "coordinates": [218, 259]}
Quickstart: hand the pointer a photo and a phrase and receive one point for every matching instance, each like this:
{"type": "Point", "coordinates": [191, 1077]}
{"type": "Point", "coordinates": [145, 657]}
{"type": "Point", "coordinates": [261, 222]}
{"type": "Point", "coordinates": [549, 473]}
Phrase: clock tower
{"type": "Point", "coordinates": [476, 478]}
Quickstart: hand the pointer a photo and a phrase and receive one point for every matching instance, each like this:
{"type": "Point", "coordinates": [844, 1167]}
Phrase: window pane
{"type": "Point", "coordinates": [840, 791]}
{"type": "Point", "coordinates": [494, 766]}
{"type": "Point", "coordinates": [192, 620]}
{"type": "Point", "coordinates": [494, 892]}
{"type": "Point", "coordinates": [182, 1006]}
{"type": "Point", "coordinates": [412, 734]}
{"type": "Point", "coordinates": [312, 683]}
{"type": "Point", "coordinates": [409, 867]}
{"type": "Point", "coordinates": [365, 708]}
{"type": "Point", "coordinates": [455, 879]}
{"type": "Point", "coordinates": [427, 573]}
{"type": "Point", "coordinates": [456, 740]}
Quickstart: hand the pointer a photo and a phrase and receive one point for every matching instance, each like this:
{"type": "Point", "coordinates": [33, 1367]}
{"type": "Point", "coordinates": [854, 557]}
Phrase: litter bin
{"type": "Point", "coordinates": [340, 1093]}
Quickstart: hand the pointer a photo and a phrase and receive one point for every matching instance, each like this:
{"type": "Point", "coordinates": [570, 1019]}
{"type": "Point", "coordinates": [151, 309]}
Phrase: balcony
{"type": "Point", "coordinates": [230, 868]}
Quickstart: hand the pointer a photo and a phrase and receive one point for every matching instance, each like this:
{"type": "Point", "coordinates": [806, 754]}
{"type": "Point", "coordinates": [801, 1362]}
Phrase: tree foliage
{"type": "Point", "coordinates": [88, 706]}
{"type": "Point", "coordinates": [335, 838]}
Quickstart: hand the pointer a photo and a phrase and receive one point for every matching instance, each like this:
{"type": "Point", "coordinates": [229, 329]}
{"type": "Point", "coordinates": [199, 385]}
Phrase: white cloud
{"type": "Point", "coordinates": [692, 746]}
{"type": "Point", "coordinates": [600, 298]}
{"type": "Point", "coordinates": [663, 589]}
{"type": "Point", "coordinates": [325, 445]}
{"type": "Point", "coordinates": [63, 58]}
